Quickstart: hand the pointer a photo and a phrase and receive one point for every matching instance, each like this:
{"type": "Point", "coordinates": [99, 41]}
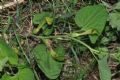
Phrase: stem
{"type": "Point", "coordinates": [63, 37]}
{"type": "Point", "coordinates": [73, 34]}
{"type": "Point", "coordinates": [50, 37]}
{"type": "Point", "coordinates": [81, 42]}
{"type": "Point", "coordinates": [22, 48]}
{"type": "Point", "coordinates": [76, 57]}
{"type": "Point", "coordinates": [93, 51]}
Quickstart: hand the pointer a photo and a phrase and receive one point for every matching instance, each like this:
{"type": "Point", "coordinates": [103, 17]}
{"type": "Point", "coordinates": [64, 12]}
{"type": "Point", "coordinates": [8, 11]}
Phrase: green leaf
{"type": "Point", "coordinates": [23, 74]}
{"type": "Point", "coordinates": [47, 31]}
{"type": "Point", "coordinates": [74, 1]}
{"type": "Point", "coordinates": [60, 53]}
{"type": "Point", "coordinates": [103, 51]}
{"type": "Point", "coordinates": [104, 70]}
{"type": "Point", "coordinates": [50, 67]}
{"type": "Point", "coordinates": [40, 17]}
{"type": "Point", "coordinates": [115, 20]}
{"type": "Point", "coordinates": [92, 17]}
{"type": "Point", "coordinates": [6, 51]}
{"type": "Point", "coordinates": [3, 62]}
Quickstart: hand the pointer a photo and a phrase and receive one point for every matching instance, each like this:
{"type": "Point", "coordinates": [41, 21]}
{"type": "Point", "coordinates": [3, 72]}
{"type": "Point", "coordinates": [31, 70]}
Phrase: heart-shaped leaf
{"type": "Point", "coordinates": [50, 67]}
{"type": "Point", "coordinates": [7, 51]}
{"type": "Point", "coordinates": [92, 17]}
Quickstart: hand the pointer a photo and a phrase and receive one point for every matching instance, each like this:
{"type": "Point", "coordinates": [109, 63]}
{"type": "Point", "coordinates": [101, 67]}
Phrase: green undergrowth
{"type": "Point", "coordinates": [60, 40]}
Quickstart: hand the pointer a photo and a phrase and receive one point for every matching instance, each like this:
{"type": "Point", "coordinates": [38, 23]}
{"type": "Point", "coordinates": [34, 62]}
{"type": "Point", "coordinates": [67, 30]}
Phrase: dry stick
{"type": "Point", "coordinates": [11, 4]}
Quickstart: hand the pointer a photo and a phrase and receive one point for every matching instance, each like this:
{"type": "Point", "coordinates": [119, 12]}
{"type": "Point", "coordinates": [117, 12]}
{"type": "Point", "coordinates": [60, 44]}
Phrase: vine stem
{"type": "Point", "coordinates": [68, 37]}
{"type": "Point", "coordinates": [93, 51]}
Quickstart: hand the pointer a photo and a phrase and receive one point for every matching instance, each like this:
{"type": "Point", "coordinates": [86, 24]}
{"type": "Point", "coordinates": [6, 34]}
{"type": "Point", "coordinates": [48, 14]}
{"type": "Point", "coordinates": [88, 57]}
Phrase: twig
{"type": "Point", "coordinates": [11, 4]}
